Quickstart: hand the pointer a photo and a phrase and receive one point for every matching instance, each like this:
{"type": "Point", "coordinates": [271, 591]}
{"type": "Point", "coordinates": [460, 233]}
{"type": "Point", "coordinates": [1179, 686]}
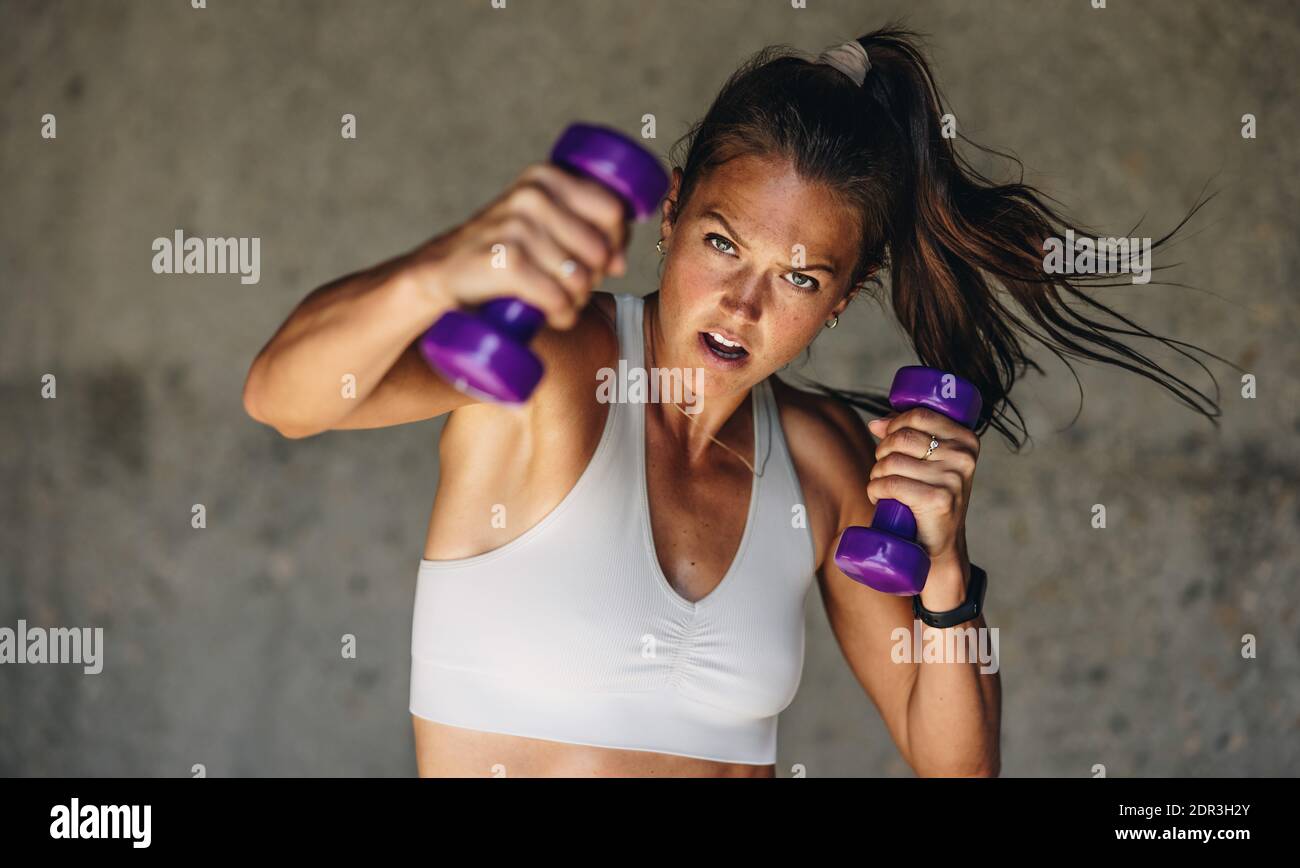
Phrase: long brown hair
{"type": "Point", "coordinates": [947, 236]}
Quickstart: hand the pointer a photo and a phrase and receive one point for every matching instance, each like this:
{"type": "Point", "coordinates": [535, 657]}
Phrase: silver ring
{"type": "Point", "coordinates": [934, 444]}
{"type": "Point", "coordinates": [568, 266]}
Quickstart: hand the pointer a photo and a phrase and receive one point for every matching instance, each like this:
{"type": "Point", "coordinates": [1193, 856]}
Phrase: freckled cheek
{"type": "Point", "coordinates": [694, 283]}
{"type": "Point", "coordinates": [790, 335]}
{"type": "Point", "coordinates": [696, 273]}
{"type": "Point", "coordinates": [785, 349]}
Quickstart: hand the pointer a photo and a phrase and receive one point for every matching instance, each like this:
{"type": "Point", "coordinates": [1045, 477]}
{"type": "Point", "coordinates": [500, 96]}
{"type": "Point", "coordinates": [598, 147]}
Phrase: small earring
{"type": "Point", "coordinates": [830, 324]}
{"type": "Point", "coordinates": [659, 245]}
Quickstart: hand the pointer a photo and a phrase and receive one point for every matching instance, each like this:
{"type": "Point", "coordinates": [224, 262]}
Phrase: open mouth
{"type": "Point", "coordinates": [723, 348]}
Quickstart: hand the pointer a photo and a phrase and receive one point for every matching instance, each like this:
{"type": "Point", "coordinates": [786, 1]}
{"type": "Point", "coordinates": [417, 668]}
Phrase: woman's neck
{"type": "Point", "coordinates": [696, 436]}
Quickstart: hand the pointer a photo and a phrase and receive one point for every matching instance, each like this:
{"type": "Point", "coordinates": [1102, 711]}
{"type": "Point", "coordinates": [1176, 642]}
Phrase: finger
{"type": "Point", "coordinates": [550, 256]}
{"type": "Point", "coordinates": [915, 495]}
{"type": "Point", "coordinates": [535, 285]}
{"type": "Point", "coordinates": [878, 427]}
{"type": "Point", "coordinates": [586, 207]}
{"type": "Point", "coordinates": [916, 444]}
{"type": "Point", "coordinates": [586, 242]}
{"type": "Point", "coordinates": [932, 422]}
{"type": "Point", "coordinates": [928, 472]}
{"type": "Point", "coordinates": [908, 441]}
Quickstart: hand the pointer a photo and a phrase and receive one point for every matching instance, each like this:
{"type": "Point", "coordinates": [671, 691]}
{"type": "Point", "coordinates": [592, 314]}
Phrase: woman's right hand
{"type": "Point", "coordinates": [364, 325]}
{"type": "Point", "coordinates": [549, 239]}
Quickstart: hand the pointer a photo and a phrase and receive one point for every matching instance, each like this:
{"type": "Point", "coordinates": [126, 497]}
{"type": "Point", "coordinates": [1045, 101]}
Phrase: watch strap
{"type": "Point", "coordinates": [969, 609]}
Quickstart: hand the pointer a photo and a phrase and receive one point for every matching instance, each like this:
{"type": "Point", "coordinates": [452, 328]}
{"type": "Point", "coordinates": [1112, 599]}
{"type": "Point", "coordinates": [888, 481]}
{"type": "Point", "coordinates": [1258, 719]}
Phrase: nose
{"type": "Point", "coordinates": [742, 300]}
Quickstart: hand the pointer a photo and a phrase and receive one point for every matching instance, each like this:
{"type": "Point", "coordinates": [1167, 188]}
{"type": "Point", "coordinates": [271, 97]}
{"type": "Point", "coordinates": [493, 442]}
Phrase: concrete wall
{"type": "Point", "coordinates": [1119, 646]}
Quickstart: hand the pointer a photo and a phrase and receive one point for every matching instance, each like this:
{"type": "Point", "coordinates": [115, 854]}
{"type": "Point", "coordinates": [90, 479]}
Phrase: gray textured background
{"type": "Point", "coordinates": [1118, 646]}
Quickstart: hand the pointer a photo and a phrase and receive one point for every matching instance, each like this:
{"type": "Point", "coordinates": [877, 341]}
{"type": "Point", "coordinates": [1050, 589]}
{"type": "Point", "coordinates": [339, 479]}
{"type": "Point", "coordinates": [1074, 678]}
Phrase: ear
{"type": "Point", "coordinates": [669, 208]}
{"type": "Point", "coordinates": [848, 298]}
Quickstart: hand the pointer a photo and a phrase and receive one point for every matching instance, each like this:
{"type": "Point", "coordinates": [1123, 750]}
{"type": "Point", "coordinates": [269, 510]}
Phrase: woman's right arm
{"type": "Point", "coordinates": [346, 357]}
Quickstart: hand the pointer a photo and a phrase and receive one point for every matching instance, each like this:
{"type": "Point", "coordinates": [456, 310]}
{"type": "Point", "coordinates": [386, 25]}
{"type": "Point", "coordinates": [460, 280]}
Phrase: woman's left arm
{"type": "Point", "coordinates": [944, 717]}
{"type": "Point", "coordinates": [954, 711]}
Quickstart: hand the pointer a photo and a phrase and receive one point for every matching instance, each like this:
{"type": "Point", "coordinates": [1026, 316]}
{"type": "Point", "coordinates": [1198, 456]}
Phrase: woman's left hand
{"type": "Point", "coordinates": [936, 489]}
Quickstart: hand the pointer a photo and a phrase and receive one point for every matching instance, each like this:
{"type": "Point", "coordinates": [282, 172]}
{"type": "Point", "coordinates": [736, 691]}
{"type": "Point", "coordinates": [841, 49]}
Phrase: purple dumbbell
{"type": "Point", "coordinates": [485, 353]}
{"type": "Point", "coordinates": [886, 555]}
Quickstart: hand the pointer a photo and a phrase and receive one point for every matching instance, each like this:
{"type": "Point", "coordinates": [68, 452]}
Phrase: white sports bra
{"type": "Point", "coordinates": [571, 632]}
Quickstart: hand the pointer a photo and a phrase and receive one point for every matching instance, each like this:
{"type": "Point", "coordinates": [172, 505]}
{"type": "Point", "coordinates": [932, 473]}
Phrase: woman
{"type": "Point", "coordinates": [618, 588]}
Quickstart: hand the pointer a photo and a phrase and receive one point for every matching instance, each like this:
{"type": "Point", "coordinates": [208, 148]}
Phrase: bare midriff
{"type": "Point", "coordinates": [450, 751]}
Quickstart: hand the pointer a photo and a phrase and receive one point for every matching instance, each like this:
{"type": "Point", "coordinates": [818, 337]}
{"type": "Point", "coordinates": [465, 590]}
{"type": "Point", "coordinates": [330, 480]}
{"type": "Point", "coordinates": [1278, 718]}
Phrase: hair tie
{"type": "Point", "coordinates": [849, 58]}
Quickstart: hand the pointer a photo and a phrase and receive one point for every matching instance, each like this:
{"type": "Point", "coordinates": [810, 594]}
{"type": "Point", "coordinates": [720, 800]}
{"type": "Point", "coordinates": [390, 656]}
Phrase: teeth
{"type": "Point", "coordinates": [720, 339]}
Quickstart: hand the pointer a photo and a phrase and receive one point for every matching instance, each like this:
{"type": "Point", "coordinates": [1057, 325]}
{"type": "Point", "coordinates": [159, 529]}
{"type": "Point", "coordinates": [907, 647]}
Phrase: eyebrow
{"type": "Point", "coordinates": [829, 269]}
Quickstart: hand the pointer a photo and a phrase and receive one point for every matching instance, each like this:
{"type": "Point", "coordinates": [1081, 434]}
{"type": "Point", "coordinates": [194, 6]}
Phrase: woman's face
{"type": "Point", "coordinates": [758, 257]}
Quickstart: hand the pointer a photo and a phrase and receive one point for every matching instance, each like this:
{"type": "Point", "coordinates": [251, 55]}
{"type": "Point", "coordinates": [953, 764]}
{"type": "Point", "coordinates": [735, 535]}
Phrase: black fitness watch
{"type": "Point", "coordinates": [971, 608]}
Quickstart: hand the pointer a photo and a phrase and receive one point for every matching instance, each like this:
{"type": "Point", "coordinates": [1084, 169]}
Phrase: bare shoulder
{"type": "Point", "coordinates": [824, 429]}
{"type": "Point", "coordinates": [562, 400]}
{"type": "Point", "coordinates": [564, 403]}
{"type": "Point", "coordinates": [593, 336]}
{"type": "Point", "coordinates": [832, 451]}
